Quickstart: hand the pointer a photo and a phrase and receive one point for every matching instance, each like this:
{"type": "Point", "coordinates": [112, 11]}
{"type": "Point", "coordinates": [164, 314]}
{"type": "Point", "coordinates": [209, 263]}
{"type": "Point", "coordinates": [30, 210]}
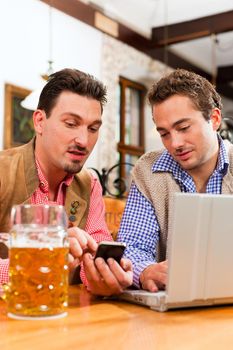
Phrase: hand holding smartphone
{"type": "Point", "coordinates": [108, 249]}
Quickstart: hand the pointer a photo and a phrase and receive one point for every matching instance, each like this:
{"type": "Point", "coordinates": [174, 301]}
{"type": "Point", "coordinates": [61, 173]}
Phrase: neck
{"type": "Point", "coordinates": [202, 174]}
{"type": "Point", "coordinates": [53, 176]}
{"type": "Point", "coordinates": [54, 179]}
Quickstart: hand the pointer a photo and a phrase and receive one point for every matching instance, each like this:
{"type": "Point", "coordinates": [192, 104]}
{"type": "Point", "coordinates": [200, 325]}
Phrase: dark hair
{"type": "Point", "coordinates": [182, 82]}
{"type": "Point", "coordinates": [71, 80]}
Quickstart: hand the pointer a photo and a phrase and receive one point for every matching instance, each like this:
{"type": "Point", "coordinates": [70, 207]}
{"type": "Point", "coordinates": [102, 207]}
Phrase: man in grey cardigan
{"type": "Point", "coordinates": [186, 110]}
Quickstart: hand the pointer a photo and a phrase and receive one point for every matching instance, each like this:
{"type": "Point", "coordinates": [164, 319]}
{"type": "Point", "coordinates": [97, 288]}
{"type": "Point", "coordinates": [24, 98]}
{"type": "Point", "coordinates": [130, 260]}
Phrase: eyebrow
{"type": "Point", "coordinates": [178, 122]}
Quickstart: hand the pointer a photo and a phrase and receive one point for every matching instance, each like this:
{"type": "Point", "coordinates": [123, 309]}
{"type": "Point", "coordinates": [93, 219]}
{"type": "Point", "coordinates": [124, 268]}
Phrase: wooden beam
{"type": "Point", "coordinates": [198, 28]}
{"type": "Point", "coordinates": [74, 8]}
{"type": "Point", "coordinates": [86, 14]}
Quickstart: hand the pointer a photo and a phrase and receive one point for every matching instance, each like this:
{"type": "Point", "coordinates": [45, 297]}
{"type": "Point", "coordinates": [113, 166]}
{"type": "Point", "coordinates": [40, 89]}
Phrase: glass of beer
{"type": "Point", "coordinates": [38, 268]}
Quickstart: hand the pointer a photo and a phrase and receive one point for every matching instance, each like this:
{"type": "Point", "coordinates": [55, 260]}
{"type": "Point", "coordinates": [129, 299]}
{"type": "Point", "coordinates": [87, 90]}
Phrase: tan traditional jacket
{"type": "Point", "coordinates": [19, 180]}
{"type": "Point", "coordinates": [159, 189]}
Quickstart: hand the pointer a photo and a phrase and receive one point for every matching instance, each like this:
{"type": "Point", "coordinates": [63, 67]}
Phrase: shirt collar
{"type": "Point", "coordinates": [166, 163]}
{"type": "Point", "coordinates": [223, 159]}
{"type": "Point", "coordinates": [43, 183]}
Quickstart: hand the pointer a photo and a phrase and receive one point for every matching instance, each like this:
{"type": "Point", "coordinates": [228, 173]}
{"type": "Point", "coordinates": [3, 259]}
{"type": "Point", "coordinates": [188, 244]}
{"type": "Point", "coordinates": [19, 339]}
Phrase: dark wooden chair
{"type": "Point", "coordinates": [114, 208]}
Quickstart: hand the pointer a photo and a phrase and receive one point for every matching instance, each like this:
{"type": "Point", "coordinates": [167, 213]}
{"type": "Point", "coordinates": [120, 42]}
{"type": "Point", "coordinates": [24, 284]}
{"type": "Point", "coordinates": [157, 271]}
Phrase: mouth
{"type": "Point", "coordinates": [77, 155]}
{"type": "Point", "coordinates": [185, 155]}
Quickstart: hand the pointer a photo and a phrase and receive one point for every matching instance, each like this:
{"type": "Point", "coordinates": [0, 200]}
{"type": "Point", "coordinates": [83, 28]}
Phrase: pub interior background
{"type": "Point", "coordinates": [31, 34]}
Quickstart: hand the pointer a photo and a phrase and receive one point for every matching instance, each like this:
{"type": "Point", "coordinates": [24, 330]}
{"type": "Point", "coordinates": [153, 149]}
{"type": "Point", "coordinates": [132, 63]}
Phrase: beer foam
{"type": "Point", "coordinates": [36, 236]}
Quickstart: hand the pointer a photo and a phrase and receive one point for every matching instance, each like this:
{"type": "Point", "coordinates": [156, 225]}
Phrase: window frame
{"type": "Point", "coordinates": [128, 149]}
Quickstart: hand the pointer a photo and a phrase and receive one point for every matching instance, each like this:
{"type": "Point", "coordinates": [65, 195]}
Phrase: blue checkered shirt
{"type": "Point", "coordinates": [139, 227]}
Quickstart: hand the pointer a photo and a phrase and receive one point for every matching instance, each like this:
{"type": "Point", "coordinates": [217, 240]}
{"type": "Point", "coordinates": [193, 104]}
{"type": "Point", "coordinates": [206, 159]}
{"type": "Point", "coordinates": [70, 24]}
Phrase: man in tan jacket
{"type": "Point", "coordinates": [49, 170]}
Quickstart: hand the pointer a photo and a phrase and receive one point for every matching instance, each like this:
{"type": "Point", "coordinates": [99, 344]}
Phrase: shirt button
{"type": "Point", "coordinates": [72, 218]}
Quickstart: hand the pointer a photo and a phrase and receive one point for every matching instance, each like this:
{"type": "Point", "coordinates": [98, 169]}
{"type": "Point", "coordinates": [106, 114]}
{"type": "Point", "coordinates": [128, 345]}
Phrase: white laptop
{"type": "Point", "coordinates": [200, 255]}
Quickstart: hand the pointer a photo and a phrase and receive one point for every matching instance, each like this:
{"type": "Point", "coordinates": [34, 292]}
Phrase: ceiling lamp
{"type": "Point", "coordinates": [31, 100]}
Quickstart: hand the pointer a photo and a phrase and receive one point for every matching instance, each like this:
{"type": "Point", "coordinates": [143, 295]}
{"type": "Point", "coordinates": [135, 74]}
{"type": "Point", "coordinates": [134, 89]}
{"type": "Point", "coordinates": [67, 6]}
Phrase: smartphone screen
{"type": "Point", "coordinates": [108, 249]}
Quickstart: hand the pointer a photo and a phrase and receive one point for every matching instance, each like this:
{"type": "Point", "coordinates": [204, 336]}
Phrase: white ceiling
{"type": "Point", "coordinates": [205, 54]}
{"type": "Point", "coordinates": [143, 15]}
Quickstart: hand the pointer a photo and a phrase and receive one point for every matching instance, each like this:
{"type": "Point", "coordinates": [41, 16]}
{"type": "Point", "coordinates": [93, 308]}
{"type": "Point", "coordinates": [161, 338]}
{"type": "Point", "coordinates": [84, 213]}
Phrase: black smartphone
{"type": "Point", "coordinates": [110, 249]}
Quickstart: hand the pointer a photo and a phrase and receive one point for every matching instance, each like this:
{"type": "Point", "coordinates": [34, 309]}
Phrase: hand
{"type": "Point", "coordinates": [80, 242]}
{"type": "Point", "coordinates": [154, 277]}
{"type": "Point", "coordinates": [107, 278]}
{"type": "Point", "coordinates": [4, 245]}
{"type": "Point", "coordinates": [5, 238]}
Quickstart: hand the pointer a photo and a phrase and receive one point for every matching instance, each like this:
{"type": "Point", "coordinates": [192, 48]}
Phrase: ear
{"type": "Point", "coordinates": [39, 118]}
{"type": "Point", "coordinates": [216, 118]}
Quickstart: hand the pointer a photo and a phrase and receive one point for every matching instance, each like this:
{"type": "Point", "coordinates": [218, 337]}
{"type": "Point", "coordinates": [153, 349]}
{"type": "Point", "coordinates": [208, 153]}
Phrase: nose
{"type": "Point", "coordinates": [81, 137]}
{"type": "Point", "coordinates": [177, 140]}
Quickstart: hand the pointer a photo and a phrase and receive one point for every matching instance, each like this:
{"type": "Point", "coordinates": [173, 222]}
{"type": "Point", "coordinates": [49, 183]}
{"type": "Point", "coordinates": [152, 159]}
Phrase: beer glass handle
{"type": "Point", "coordinates": [4, 244]}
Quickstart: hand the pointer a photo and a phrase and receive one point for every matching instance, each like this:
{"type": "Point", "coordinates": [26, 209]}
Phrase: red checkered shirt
{"type": "Point", "coordinates": [95, 225]}
{"type": "Point", "coordinates": [4, 264]}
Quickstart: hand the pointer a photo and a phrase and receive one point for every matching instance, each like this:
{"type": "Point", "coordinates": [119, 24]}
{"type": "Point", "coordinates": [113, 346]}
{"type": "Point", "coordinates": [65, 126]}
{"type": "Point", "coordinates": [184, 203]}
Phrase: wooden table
{"type": "Point", "coordinates": [99, 324]}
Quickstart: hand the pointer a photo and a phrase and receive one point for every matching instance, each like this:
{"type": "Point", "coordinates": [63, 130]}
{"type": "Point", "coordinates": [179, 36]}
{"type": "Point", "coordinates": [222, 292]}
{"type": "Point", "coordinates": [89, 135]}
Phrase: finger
{"type": "Point", "coordinates": [164, 264]}
{"type": "Point", "coordinates": [73, 263]}
{"type": "Point", "coordinates": [75, 248]}
{"type": "Point", "coordinates": [126, 264]}
{"type": "Point", "coordinates": [108, 275]}
{"type": "Point", "coordinates": [161, 267]}
{"type": "Point", "coordinates": [164, 279]}
{"type": "Point", "coordinates": [91, 243]}
{"type": "Point", "coordinates": [160, 278]}
{"type": "Point", "coordinates": [79, 235]}
{"type": "Point", "coordinates": [70, 258]}
{"type": "Point", "coordinates": [4, 236]}
{"type": "Point", "coordinates": [150, 285]}
{"type": "Point", "coordinates": [123, 276]}
{"type": "Point", "coordinates": [83, 241]}
{"type": "Point", "coordinates": [91, 271]}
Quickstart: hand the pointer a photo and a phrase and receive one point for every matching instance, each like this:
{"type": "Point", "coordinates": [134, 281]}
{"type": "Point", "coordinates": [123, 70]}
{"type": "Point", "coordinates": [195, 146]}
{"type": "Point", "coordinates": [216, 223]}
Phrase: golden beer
{"type": "Point", "coordinates": [38, 283]}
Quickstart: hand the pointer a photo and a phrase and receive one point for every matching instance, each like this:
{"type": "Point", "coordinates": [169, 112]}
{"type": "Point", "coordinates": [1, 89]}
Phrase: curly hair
{"type": "Point", "coordinates": [185, 83]}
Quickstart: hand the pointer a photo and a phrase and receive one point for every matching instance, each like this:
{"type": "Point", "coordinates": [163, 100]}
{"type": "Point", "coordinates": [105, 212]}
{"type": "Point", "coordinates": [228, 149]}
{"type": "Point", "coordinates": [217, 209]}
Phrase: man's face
{"type": "Point", "coordinates": [189, 138]}
{"type": "Point", "coordinates": [67, 137]}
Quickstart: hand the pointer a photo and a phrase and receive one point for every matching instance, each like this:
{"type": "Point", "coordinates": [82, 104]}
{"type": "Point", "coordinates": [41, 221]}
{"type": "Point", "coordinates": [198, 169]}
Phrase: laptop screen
{"type": "Point", "coordinates": [200, 248]}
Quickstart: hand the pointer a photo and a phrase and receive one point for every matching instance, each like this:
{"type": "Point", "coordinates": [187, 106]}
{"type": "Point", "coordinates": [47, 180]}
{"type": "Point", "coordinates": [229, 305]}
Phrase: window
{"type": "Point", "coordinates": [131, 139]}
{"type": "Point", "coordinates": [18, 120]}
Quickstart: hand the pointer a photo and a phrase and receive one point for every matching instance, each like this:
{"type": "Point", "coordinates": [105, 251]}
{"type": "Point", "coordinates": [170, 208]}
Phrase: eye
{"type": "Point", "coordinates": [94, 128]}
{"type": "Point", "coordinates": [184, 128]}
{"type": "Point", "coordinates": [164, 134]}
{"type": "Point", "coordinates": [70, 124]}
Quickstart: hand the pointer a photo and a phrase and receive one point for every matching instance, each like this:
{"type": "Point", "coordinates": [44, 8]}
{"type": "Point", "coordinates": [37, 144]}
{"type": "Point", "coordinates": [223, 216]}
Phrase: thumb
{"type": "Point", "coordinates": [126, 264]}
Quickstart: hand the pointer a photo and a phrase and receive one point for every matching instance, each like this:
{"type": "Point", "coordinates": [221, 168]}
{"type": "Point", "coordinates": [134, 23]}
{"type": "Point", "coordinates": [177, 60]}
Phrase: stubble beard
{"type": "Point", "coordinates": [188, 166]}
{"type": "Point", "coordinates": [194, 167]}
{"type": "Point", "coordinates": [73, 168]}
